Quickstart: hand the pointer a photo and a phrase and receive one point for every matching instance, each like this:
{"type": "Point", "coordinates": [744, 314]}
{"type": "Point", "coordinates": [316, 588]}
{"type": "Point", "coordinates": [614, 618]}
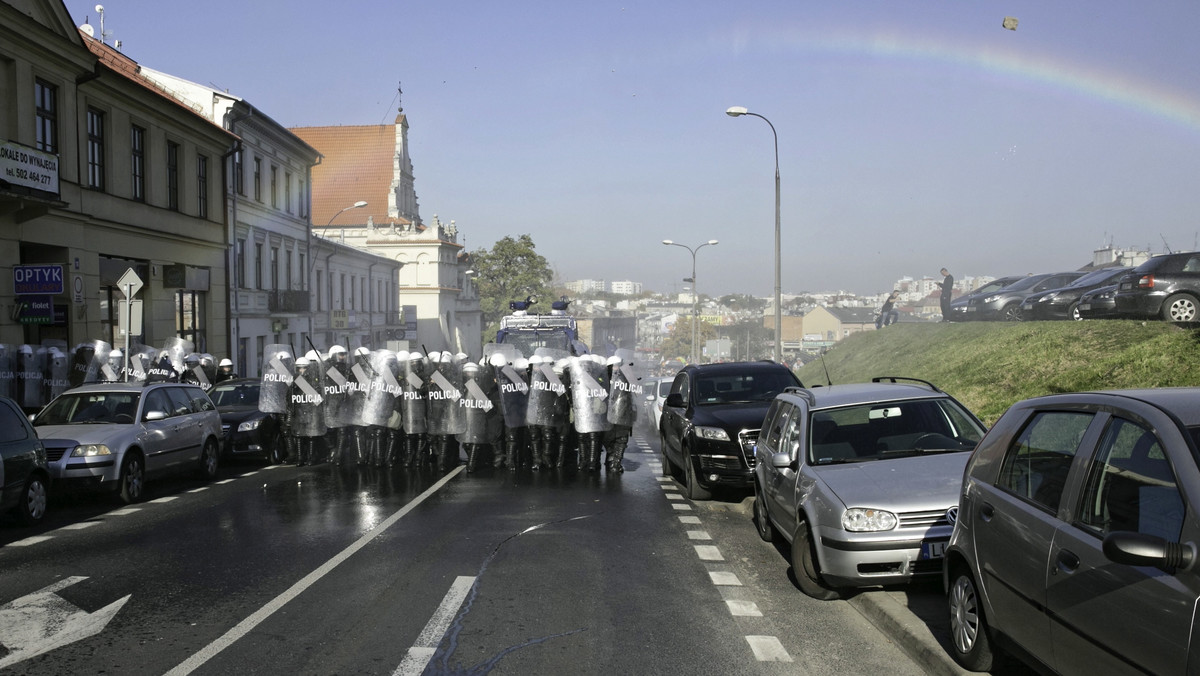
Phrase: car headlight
{"type": "Point", "coordinates": [712, 433]}
{"type": "Point", "coordinates": [90, 451]}
{"type": "Point", "coordinates": [989, 300]}
{"type": "Point", "coordinates": [1048, 297]}
{"type": "Point", "coordinates": [250, 425]}
{"type": "Point", "coordinates": [859, 520]}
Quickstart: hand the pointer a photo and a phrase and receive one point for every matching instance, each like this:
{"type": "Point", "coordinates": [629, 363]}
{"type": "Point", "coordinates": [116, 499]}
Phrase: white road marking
{"type": "Point", "coordinates": [422, 651]}
{"type": "Point", "coordinates": [698, 534]}
{"type": "Point", "coordinates": [681, 507]}
{"type": "Point", "coordinates": [166, 499]}
{"type": "Point", "coordinates": [250, 473]}
{"type": "Point", "coordinates": [661, 479]}
{"type": "Point", "coordinates": [673, 496]}
{"type": "Point", "coordinates": [689, 519]}
{"type": "Point", "coordinates": [31, 540]}
{"type": "Point", "coordinates": [226, 481]}
{"type": "Point", "coordinates": [723, 578]}
{"type": "Point", "coordinates": [743, 608]}
{"type": "Point", "coordinates": [245, 626]}
{"type": "Point", "coordinates": [124, 511]}
{"type": "Point", "coordinates": [768, 649]}
{"type": "Point", "coordinates": [709, 553]}
{"type": "Point", "coordinates": [80, 526]}
{"type": "Point", "coordinates": [197, 490]}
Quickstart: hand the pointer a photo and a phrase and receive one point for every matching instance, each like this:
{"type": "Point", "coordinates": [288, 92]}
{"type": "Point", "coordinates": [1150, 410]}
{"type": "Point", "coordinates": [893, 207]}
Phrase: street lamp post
{"type": "Point", "coordinates": [738, 111]}
{"type": "Point", "coordinates": [312, 260]}
{"type": "Point", "coordinates": [695, 291]}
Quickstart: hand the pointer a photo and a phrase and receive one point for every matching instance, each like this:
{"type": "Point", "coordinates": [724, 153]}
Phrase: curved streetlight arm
{"type": "Point", "coordinates": [695, 290]}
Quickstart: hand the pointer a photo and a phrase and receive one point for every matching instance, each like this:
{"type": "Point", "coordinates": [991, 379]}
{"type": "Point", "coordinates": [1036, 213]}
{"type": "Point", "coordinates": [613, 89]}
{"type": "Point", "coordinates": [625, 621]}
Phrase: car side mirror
{"type": "Point", "coordinates": [675, 400]}
{"type": "Point", "coordinates": [781, 460]}
{"type": "Point", "coordinates": [1139, 549]}
{"type": "Point", "coordinates": [151, 416]}
{"type": "Point", "coordinates": [649, 397]}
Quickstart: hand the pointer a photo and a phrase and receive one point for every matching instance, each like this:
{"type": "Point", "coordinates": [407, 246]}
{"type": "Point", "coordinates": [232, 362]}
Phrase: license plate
{"type": "Point", "coordinates": [1085, 306]}
{"type": "Point", "coordinates": [932, 550]}
{"type": "Point", "coordinates": [1126, 286]}
{"type": "Point", "coordinates": [1027, 306]}
{"type": "Point", "coordinates": [972, 308]}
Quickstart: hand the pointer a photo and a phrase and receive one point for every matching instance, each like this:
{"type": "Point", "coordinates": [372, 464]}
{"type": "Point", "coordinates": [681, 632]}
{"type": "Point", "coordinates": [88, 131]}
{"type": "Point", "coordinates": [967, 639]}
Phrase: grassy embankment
{"type": "Point", "coordinates": [991, 365]}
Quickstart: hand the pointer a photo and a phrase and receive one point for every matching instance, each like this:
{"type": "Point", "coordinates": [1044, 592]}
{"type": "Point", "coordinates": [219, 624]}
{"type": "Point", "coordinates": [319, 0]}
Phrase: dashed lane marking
{"type": "Point", "coordinates": [197, 490]}
{"type": "Point", "coordinates": [673, 496]}
{"type": "Point", "coordinates": [167, 498]}
{"type": "Point", "coordinates": [681, 507]}
{"type": "Point", "coordinates": [689, 519]}
{"type": "Point", "coordinates": [227, 481]}
{"type": "Point", "coordinates": [31, 541]}
{"type": "Point", "coordinates": [743, 608]}
{"type": "Point", "coordinates": [125, 511]}
{"type": "Point", "coordinates": [80, 526]}
{"type": "Point", "coordinates": [698, 534]}
{"type": "Point", "coordinates": [768, 649]}
{"type": "Point", "coordinates": [709, 553]}
{"type": "Point", "coordinates": [724, 578]}
{"type": "Point", "coordinates": [661, 479]}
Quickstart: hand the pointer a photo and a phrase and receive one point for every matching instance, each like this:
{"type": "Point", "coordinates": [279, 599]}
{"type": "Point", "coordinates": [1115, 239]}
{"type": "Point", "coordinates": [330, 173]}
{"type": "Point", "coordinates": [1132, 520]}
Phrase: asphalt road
{"type": "Point", "coordinates": [321, 570]}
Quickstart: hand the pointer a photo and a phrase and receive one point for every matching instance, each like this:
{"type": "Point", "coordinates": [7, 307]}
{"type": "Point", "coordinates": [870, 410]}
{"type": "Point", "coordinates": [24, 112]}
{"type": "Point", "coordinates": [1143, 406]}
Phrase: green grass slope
{"type": "Point", "coordinates": [991, 365]}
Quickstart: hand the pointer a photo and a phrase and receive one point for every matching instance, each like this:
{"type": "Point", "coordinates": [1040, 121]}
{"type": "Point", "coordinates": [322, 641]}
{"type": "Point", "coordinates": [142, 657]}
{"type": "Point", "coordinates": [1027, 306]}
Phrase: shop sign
{"type": "Point", "coordinates": [37, 280]}
{"type": "Point", "coordinates": [35, 310]}
{"type": "Point", "coordinates": [28, 167]}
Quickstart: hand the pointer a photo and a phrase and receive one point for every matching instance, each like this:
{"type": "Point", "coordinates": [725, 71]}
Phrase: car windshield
{"type": "Point", "coordinates": [664, 388]}
{"type": "Point", "coordinates": [889, 430]}
{"type": "Point", "coordinates": [1099, 276]}
{"type": "Point", "coordinates": [241, 394]}
{"type": "Point", "coordinates": [737, 388]}
{"type": "Point", "coordinates": [84, 408]}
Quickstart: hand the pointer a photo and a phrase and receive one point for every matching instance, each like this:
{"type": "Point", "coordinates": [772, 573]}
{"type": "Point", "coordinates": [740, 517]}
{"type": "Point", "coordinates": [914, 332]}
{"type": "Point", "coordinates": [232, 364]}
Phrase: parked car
{"type": "Point", "coordinates": [656, 394]}
{"type": "Point", "coordinates": [1005, 304]}
{"type": "Point", "coordinates": [862, 480]}
{"type": "Point", "coordinates": [1075, 541]}
{"type": "Point", "coordinates": [1099, 303]}
{"type": "Point", "coordinates": [245, 430]}
{"type": "Point", "coordinates": [24, 476]}
{"type": "Point", "coordinates": [710, 422]}
{"type": "Point", "coordinates": [1063, 303]}
{"type": "Point", "coordinates": [1165, 286]}
{"type": "Point", "coordinates": [115, 436]}
{"type": "Point", "coordinates": [958, 307]}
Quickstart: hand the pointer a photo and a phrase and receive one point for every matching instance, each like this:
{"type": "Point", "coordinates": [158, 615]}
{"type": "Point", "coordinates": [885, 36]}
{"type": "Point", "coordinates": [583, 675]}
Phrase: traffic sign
{"type": "Point", "coordinates": [129, 283]}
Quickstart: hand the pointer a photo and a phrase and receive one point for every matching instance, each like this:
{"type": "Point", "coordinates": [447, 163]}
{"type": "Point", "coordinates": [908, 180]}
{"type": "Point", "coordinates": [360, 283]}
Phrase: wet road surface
{"type": "Point", "coordinates": [326, 570]}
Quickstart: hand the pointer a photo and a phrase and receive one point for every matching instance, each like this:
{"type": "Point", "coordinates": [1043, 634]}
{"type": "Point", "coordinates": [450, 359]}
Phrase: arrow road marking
{"type": "Point", "coordinates": [43, 621]}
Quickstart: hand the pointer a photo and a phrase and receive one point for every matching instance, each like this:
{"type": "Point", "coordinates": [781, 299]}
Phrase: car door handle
{"type": "Point", "coordinates": [1066, 561]}
{"type": "Point", "coordinates": [986, 511]}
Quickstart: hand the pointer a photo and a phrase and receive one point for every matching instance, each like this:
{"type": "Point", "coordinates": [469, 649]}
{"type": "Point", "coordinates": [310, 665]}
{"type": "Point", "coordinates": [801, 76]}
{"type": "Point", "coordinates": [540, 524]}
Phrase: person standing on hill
{"type": "Point", "coordinates": [888, 313]}
{"type": "Point", "coordinates": [947, 293]}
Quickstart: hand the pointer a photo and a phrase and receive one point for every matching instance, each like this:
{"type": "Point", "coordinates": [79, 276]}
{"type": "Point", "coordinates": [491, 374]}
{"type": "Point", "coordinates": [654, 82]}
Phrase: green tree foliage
{"type": "Point", "coordinates": [511, 270]}
{"type": "Point", "coordinates": [751, 340]}
{"type": "Point", "coordinates": [678, 343]}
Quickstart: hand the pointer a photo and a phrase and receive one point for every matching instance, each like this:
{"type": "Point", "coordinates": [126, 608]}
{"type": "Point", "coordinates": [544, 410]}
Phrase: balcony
{"type": "Point", "coordinates": [287, 301]}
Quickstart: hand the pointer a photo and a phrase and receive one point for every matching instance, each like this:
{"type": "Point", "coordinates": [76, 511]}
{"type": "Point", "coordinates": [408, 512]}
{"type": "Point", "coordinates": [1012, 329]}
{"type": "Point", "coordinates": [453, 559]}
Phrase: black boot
{"type": "Point", "coordinates": [302, 444]}
{"type": "Point", "coordinates": [472, 456]}
{"type": "Point", "coordinates": [389, 454]}
{"type": "Point", "coordinates": [561, 443]}
{"type": "Point", "coordinates": [593, 452]}
{"type": "Point", "coordinates": [410, 450]}
{"type": "Point", "coordinates": [448, 455]}
{"type": "Point", "coordinates": [537, 448]}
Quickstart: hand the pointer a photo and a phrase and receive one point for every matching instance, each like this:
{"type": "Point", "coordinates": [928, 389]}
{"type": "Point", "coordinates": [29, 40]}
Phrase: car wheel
{"type": "Point", "coordinates": [762, 520]}
{"type": "Point", "coordinates": [1012, 313]}
{"type": "Point", "coordinates": [804, 566]}
{"type": "Point", "coordinates": [694, 490]}
{"type": "Point", "coordinates": [277, 450]}
{"type": "Point", "coordinates": [32, 507]}
{"type": "Point", "coordinates": [132, 483]}
{"type": "Point", "coordinates": [1179, 308]}
{"type": "Point", "coordinates": [1073, 313]}
{"type": "Point", "coordinates": [972, 646]}
{"type": "Point", "coordinates": [210, 457]}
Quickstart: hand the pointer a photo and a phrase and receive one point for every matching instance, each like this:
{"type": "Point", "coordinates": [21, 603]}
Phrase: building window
{"type": "Point", "coordinates": [172, 176]}
{"type": "Point", "coordinates": [238, 184]}
{"type": "Point", "coordinates": [274, 268]}
{"type": "Point", "coordinates": [362, 292]}
{"type": "Point", "coordinates": [287, 191]}
{"type": "Point", "coordinates": [137, 161]}
{"type": "Point", "coordinates": [258, 265]}
{"type": "Point", "coordinates": [342, 296]}
{"type": "Point", "coordinates": [304, 274]}
{"type": "Point", "coordinates": [95, 148]}
{"type": "Point", "coordinates": [274, 186]}
{"type": "Point", "coordinates": [239, 273]}
{"type": "Point", "coordinates": [287, 278]}
{"type": "Point", "coordinates": [257, 179]}
{"type": "Point", "coordinates": [353, 296]}
{"type": "Point", "coordinates": [303, 200]}
{"type": "Point", "coordinates": [320, 282]}
{"type": "Point", "coordinates": [189, 318]}
{"type": "Point", "coordinates": [47, 115]}
{"type": "Point", "coordinates": [202, 186]}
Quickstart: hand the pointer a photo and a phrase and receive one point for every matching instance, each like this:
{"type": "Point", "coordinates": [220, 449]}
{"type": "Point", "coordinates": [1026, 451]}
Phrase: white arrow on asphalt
{"type": "Point", "coordinates": [42, 621]}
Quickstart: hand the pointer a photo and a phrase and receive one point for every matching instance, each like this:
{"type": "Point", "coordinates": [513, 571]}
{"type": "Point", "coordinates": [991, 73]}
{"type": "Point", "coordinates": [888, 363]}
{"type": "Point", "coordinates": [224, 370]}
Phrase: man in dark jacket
{"type": "Point", "coordinates": [947, 293]}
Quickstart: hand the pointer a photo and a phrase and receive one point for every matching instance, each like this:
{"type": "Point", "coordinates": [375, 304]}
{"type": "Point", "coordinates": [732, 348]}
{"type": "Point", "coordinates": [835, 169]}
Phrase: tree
{"type": "Point", "coordinates": [511, 270]}
{"type": "Point", "coordinates": [678, 343]}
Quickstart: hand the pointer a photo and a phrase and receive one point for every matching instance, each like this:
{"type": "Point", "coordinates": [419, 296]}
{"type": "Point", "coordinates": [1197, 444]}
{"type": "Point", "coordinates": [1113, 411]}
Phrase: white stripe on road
{"type": "Point", "coordinates": [724, 579]}
{"type": "Point", "coordinates": [197, 490]}
{"type": "Point", "coordinates": [166, 499]}
{"type": "Point", "coordinates": [80, 526]}
{"type": "Point", "coordinates": [698, 535]}
{"type": "Point", "coordinates": [226, 481]}
{"type": "Point", "coordinates": [30, 541]}
{"type": "Point", "coordinates": [689, 519]}
{"type": "Point", "coordinates": [743, 608]}
{"type": "Point", "coordinates": [768, 649]}
{"type": "Point", "coordinates": [680, 507]}
{"type": "Point", "coordinates": [709, 553]}
{"type": "Point", "coordinates": [673, 496]}
{"type": "Point", "coordinates": [663, 478]}
{"type": "Point", "coordinates": [245, 626]}
{"type": "Point", "coordinates": [125, 511]}
{"type": "Point", "coordinates": [422, 651]}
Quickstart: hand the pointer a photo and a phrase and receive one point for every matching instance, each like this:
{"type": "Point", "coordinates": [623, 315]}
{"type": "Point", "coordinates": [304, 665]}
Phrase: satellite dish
{"type": "Point", "coordinates": [87, 28]}
{"type": "Point", "coordinates": [99, 8]}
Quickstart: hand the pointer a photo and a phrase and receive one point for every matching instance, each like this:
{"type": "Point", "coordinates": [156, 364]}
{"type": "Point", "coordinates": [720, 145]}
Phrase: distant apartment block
{"type": "Point", "coordinates": [586, 286]}
{"type": "Point", "coordinates": [626, 288]}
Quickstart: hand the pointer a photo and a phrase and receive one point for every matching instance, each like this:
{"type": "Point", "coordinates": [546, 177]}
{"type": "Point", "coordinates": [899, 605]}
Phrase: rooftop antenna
{"type": "Point", "coordinates": [103, 33]}
{"type": "Point", "coordinates": [399, 94]}
{"type": "Point", "coordinates": [1168, 246]}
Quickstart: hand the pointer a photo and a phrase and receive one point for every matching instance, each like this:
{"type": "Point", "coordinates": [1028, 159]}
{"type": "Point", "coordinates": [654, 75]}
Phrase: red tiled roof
{"type": "Point", "coordinates": [357, 166]}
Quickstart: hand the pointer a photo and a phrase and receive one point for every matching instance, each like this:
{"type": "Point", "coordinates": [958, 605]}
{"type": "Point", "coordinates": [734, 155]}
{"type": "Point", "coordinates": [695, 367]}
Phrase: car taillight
{"type": "Point", "coordinates": [1146, 282]}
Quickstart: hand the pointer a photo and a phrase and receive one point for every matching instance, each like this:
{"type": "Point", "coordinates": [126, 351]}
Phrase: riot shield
{"type": "Point", "coordinates": [56, 370]}
{"type": "Point", "coordinates": [589, 394]}
{"type": "Point", "coordinates": [414, 391]}
{"type": "Point", "coordinates": [545, 388]}
{"type": "Point", "coordinates": [278, 368]}
{"type": "Point", "coordinates": [624, 389]}
{"type": "Point", "coordinates": [445, 388]}
{"type": "Point", "coordinates": [381, 393]}
{"type": "Point", "coordinates": [29, 378]}
{"type": "Point", "coordinates": [476, 404]}
{"type": "Point", "coordinates": [8, 371]}
{"type": "Point", "coordinates": [514, 389]}
{"type": "Point", "coordinates": [141, 359]}
{"type": "Point", "coordinates": [337, 390]}
{"type": "Point", "coordinates": [91, 370]}
{"type": "Point", "coordinates": [306, 409]}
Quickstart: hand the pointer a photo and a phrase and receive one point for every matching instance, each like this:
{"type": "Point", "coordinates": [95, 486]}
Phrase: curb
{"type": "Point", "coordinates": [907, 631]}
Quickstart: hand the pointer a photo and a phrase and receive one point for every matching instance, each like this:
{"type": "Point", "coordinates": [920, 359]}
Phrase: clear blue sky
{"type": "Point", "coordinates": [912, 134]}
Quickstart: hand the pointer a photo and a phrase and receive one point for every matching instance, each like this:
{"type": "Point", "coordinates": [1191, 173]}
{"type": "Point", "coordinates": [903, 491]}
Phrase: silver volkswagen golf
{"type": "Point", "coordinates": [862, 480]}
